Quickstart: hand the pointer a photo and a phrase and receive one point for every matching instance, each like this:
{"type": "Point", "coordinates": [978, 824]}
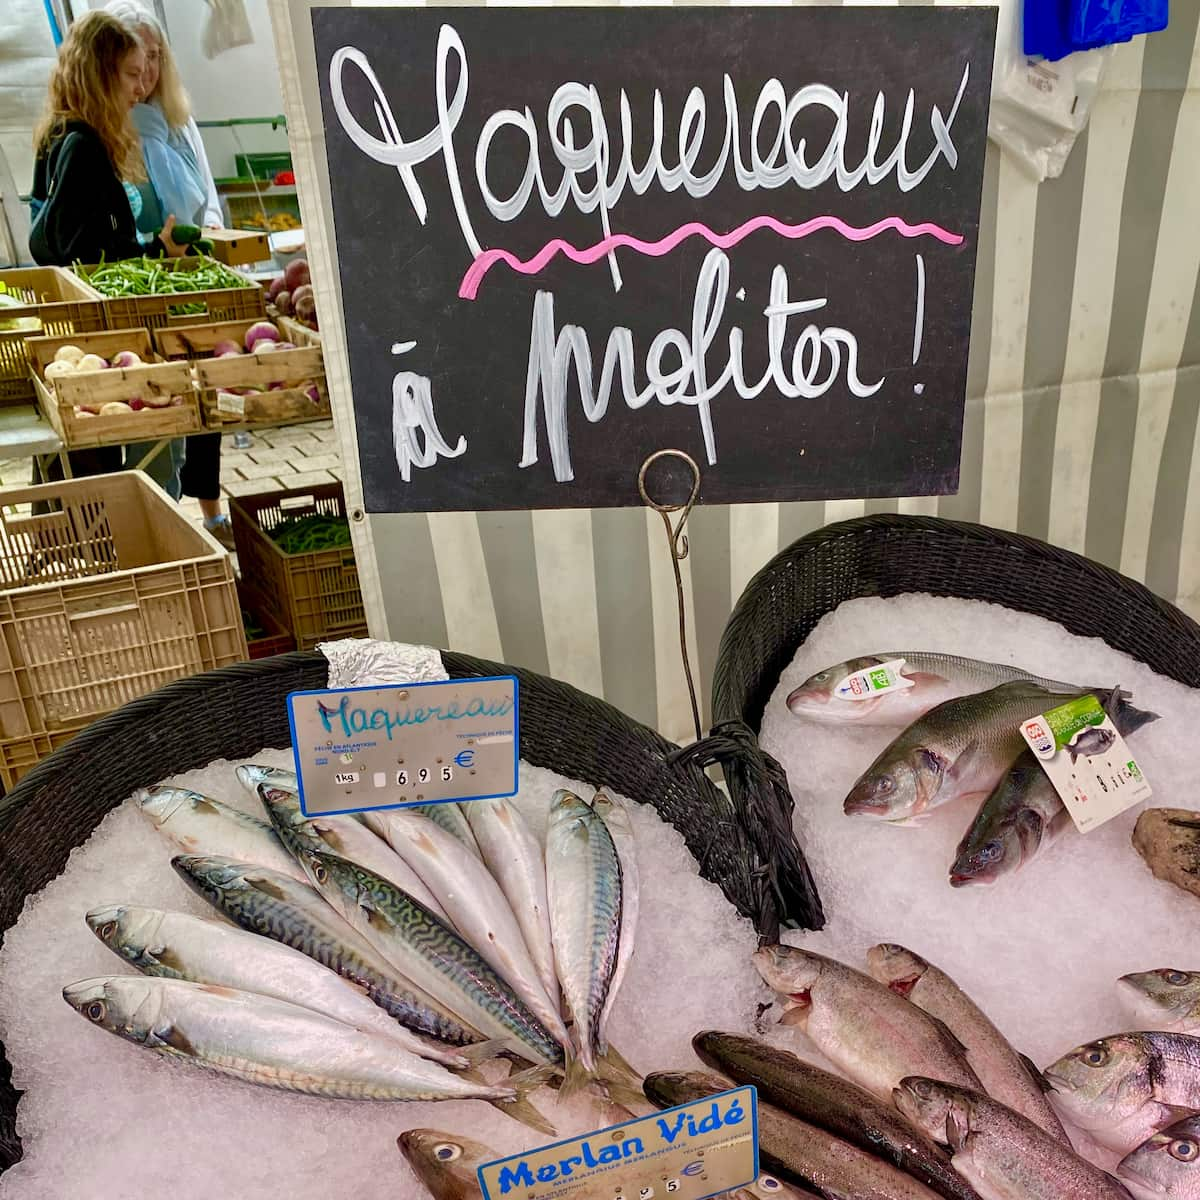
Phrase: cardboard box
{"type": "Point", "coordinates": [234, 247]}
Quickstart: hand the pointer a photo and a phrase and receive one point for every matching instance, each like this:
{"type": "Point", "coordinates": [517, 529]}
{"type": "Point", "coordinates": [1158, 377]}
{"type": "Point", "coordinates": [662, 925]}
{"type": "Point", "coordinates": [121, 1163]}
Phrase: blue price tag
{"type": "Point", "coordinates": [392, 747]}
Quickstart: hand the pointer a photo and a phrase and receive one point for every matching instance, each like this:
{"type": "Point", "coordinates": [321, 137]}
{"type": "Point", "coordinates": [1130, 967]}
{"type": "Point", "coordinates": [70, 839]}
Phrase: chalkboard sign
{"type": "Point", "coordinates": [568, 238]}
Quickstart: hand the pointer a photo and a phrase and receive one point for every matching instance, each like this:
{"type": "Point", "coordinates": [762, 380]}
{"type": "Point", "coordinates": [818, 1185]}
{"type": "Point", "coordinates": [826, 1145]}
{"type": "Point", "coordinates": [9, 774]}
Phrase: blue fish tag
{"type": "Point", "coordinates": [360, 749]}
{"type": "Point", "coordinates": [690, 1152]}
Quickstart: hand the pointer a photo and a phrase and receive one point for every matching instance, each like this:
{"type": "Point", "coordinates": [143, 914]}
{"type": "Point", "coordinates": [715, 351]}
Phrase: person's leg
{"type": "Point", "coordinates": [201, 477]}
{"type": "Point", "coordinates": [163, 468]}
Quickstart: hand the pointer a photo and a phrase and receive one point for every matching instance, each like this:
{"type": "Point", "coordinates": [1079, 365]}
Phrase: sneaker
{"type": "Point", "coordinates": [222, 529]}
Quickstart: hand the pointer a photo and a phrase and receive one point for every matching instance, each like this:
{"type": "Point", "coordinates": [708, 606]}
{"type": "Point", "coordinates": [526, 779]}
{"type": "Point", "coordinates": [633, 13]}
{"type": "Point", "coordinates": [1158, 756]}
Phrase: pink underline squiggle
{"type": "Point", "coordinates": [469, 288]}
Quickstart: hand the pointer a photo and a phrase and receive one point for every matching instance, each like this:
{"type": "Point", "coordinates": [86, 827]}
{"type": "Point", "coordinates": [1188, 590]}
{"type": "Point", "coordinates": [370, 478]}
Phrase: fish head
{"type": "Point", "coordinates": [127, 1005]}
{"type": "Point", "coordinates": [446, 1163]}
{"type": "Point", "coordinates": [668, 1088]}
{"type": "Point", "coordinates": [252, 776]}
{"type": "Point", "coordinates": [895, 967]}
{"type": "Point", "coordinates": [282, 806]}
{"type": "Point", "coordinates": [1154, 996]}
{"type": "Point", "coordinates": [1104, 1082]}
{"type": "Point", "coordinates": [126, 929]}
{"type": "Point", "coordinates": [212, 875]}
{"type": "Point", "coordinates": [793, 973]}
{"type": "Point", "coordinates": [940, 1110]}
{"type": "Point", "coordinates": [1165, 1164]}
{"type": "Point", "coordinates": [815, 698]}
{"type": "Point", "coordinates": [566, 806]}
{"type": "Point", "coordinates": [159, 804]}
{"type": "Point", "coordinates": [986, 861]}
{"type": "Point", "coordinates": [900, 784]}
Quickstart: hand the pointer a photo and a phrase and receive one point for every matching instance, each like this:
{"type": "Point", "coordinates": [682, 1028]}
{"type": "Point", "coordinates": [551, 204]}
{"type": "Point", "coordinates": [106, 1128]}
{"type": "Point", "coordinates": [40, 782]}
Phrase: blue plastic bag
{"type": "Point", "coordinates": [1055, 28]}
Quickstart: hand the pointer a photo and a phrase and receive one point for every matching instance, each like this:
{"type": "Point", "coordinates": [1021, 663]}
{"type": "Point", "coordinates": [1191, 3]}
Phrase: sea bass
{"type": "Point", "coordinates": [446, 1163]}
{"type": "Point", "coordinates": [863, 1028]}
{"type": "Point", "coordinates": [430, 954]}
{"type": "Point", "coordinates": [344, 836]}
{"type": "Point", "coordinates": [200, 825]}
{"type": "Point", "coordinates": [833, 1104]}
{"type": "Point", "coordinates": [476, 905]}
{"type": "Point", "coordinates": [797, 1151]}
{"type": "Point", "coordinates": [961, 748]}
{"type": "Point", "coordinates": [293, 913]}
{"type": "Point", "coordinates": [934, 679]}
{"type": "Point", "coordinates": [513, 854]}
{"type": "Point", "coordinates": [1121, 1089]}
{"type": "Point", "coordinates": [1005, 1075]}
{"type": "Point", "coordinates": [259, 1039]}
{"type": "Point", "coordinates": [583, 882]}
{"type": "Point", "coordinates": [1164, 999]}
{"type": "Point", "coordinates": [1166, 1166]}
{"type": "Point", "coordinates": [1168, 839]}
{"type": "Point", "coordinates": [173, 945]}
{"type": "Point", "coordinates": [997, 1150]}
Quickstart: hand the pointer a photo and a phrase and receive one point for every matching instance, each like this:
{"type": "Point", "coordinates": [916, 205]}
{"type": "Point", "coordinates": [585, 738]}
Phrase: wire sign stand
{"type": "Point", "coordinates": [677, 545]}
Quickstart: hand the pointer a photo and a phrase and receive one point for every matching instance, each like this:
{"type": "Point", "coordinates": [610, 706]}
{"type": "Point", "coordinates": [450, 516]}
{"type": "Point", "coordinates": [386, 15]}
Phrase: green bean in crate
{"type": "Point", "coordinates": [151, 277]}
{"type": "Point", "coordinates": [298, 535]}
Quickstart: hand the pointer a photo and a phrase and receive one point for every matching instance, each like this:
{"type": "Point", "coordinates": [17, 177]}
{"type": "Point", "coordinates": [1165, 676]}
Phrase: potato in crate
{"type": "Point", "coordinates": [248, 374]}
{"type": "Point", "coordinates": [296, 548]}
{"type": "Point", "coordinates": [107, 596]}
{"type": "Point", "coordinates": [106, 389]}
{"type": "Point", "coordinates": [38, 301]}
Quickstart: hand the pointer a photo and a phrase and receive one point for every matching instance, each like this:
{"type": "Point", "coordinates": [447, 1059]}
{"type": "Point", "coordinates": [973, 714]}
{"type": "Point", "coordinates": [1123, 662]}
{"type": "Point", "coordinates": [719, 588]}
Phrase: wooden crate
{"type": "Point", "coordinates": [59, 396]}
{"type": "Point", "coordinates": [106, 597]}
{"type": "Point", "coordinates": [294, 331]}
{"type": "Point", "coordinates": [296, 369]}
{"type": "Point", "coordinates": [153, 312]}
{"type": "Point", "coordinates": [60, 301]}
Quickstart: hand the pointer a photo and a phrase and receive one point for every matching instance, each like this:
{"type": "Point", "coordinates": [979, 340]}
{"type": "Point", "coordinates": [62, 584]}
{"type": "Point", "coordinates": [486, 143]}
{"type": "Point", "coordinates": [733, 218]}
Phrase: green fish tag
{"type": "Point", "coordinates": [873, 681]}
{"type": "Point", "coordinates": [1087, 761]}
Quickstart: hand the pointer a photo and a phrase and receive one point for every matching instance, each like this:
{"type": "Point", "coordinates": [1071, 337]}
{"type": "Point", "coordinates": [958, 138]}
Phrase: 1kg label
{"type": "Point", "coordinates": [396, 746]}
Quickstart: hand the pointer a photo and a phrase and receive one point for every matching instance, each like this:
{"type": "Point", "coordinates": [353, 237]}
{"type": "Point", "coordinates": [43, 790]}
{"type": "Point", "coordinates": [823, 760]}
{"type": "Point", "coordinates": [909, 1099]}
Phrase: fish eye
{"type": "Point", "coordinates": [1185, 1150]}
{"type": "Point", "coordinates": [991, 851]}
{"type": "Point", "coordinates": [820, 677]}
{"type": "Point", "coordinates": [922, 1088]}
{"type": "Point", "coordinates": [108, 929]}
{"type": "Point", "coordinates": [884, 784]}
{"type": "Point", "coordinates": [1177, 978]}
{"type": "Point", "coordinates": [1096, 1056]}
{"type": "Point", "coordinates": [447, 1152]}
{"type": "Point", "coordinates": [768, 1183]}
{"type": "Point", "coordinates": [95, 1011]}
{"type": "Point", "coordinates": [320, 873]}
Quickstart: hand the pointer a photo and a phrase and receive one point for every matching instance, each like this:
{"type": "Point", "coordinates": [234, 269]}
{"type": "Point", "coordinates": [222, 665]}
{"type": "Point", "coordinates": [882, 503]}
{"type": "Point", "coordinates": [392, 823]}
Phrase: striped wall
{"type": "Point", "coordinates": [1081, 418]}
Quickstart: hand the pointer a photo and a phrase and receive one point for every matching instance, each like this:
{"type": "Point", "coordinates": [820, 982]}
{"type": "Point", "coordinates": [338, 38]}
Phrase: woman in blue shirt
{"type": "Point", "coordinates": [180, 182]}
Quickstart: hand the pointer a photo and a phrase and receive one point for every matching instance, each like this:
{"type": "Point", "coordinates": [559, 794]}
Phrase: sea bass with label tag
{"type": "Point", "coordinates": [259, 1039]}
{"type": "Point", "coordinates": [1121, 1089]}
{"type": "Point", "coordinates": [201, 825]}
{"type": "Point", "coordinates": [934, 678]}
{"type": "Point", "coordinates": [797, 1151]}
{"type": "Point", "coordinates": [961, 748]}
{"type": "Point", "coordinates": [1166, 1166]}
{"type": "Point", "coordinates": [862, 1027]}
{"type": "Point", "coordinates": [1164, 999]}
{"type": "Point", "coordinates": [446, 1163]}
{"type": "Point", "coordinates": [1005, 1075]}
{"type": "Point", "coordinates": [833, 1104]}
{"type": "Point", "coordinates": [1004, 1156]}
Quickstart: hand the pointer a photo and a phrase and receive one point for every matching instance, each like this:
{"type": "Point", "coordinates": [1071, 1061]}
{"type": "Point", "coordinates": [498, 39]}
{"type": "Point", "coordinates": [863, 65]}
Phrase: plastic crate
{"type": "Point", "coordinates": [245, 303]}
{"type": "Point", "coordinates": [297, 370]}
{"type": "Point", "coordinates": [314, 594]}
{"type": "Point", "coordinates": [275, 639]}
{"type": "Point", "coordinates": [109, 595]}
{"type": "Point", "coordinates": [58, 397]}
{"type": "Point", "coordinates": [60, 301]}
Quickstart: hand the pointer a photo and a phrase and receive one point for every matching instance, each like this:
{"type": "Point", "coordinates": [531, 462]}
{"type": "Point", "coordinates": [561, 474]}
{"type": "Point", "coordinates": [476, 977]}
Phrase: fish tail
{"type": "Point", "coordinates": [479, 1052]}
{"type": "Point", "coordinates": [612, 1066]}
{"type": "Point", "coordinates": [577, 1076]}
{"type": "Point", "coordinates": [624, 1095]}
{"type": "Point", "coordinates": [520, 1108]}
{"type": "Point", "coordinates": [1073, 752]}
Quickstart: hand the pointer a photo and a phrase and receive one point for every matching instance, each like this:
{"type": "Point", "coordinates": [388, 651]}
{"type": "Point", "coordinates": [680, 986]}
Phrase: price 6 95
{"type": "Point", "coordinates": [405, 775]}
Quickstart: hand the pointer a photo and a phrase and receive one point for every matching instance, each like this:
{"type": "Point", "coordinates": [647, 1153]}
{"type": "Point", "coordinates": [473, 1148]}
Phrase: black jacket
{"type": "Point", "coordinates": [86, 214]}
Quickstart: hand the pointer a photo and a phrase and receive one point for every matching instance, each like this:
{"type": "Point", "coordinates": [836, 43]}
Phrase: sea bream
{"type": "Point", "coordinates": [1164, 999]}
{"type": "Point", "coordinates": [1121, 1089]}
{"type": "Point", "coordinates": [1166, 1166]}
{"type": "Point", "coordinates": [1003, 1155]}
{"type": "Point", "coordinates": [270, 1042]}
{"type": "Point", "coordinates": [932, 679]}
{"type": "Point", "coordinates": [961, 748]}
{"type": "Point", "coordinates": [862, 1027]}
{"type": "Point", "coordinates": [1005, 1074]}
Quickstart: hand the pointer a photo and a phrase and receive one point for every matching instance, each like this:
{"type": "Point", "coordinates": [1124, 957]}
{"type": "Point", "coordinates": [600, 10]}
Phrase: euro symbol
{"type": "Point", "coordinates": [465, 758]}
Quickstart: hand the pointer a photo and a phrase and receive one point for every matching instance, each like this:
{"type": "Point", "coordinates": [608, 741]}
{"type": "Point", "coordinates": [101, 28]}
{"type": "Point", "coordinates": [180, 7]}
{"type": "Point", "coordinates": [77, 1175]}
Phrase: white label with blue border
{"type": "Point", "coordinates": [690, 1152]}
{"type": "Point", "coordinates": [358, 749]}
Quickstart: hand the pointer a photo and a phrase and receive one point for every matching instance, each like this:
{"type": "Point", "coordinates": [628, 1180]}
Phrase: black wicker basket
{"type": "Point", "coordinates": [236, 711]}
{"type": "Point", "coordinates": [888, 555]}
